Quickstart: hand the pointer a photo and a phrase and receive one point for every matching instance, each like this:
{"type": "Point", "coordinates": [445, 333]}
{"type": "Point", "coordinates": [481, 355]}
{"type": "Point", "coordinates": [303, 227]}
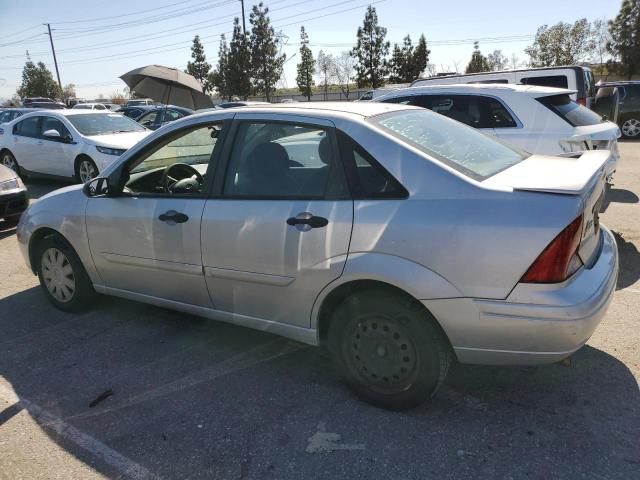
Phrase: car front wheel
{"type": "Point", "coordinates": [388, 348]}
{"type": "Point", "coordinates": [86, 170]}
{"type": "Point", "coordinates": [9, 161]}
{"type": "Point", "coordinates": [631, 127]}
{"type": "Point", "coordinates": [62, 276]}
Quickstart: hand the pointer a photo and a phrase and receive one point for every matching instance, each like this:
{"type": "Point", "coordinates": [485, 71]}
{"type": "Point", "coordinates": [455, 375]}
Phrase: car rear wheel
{"type": "Point", "coordinates": [9, 161]}
{"type": "Point", "coordinates": [62, 276]}
{"type": "Point", "coordinates": [388, 348]}
{"type": "Point", "coordinates": [631, 127]}
{"type": "Point", "coordinates": [86, 170]}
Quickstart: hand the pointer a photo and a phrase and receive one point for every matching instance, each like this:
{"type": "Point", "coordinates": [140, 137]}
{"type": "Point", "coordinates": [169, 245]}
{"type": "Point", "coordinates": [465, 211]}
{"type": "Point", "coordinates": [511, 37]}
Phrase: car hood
{"type": "Point", "coordinates": [124, 140]}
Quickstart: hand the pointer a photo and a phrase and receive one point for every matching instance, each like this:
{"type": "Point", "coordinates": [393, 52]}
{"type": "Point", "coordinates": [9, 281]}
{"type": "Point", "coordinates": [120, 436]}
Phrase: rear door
{"type": "Point", "coordinates": [278, 230]}
{"type": "Point", "coordinates": [26, 144]}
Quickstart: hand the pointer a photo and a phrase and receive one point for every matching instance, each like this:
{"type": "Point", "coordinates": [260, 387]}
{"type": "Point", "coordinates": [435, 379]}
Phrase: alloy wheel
{"type": "Point", "coordinates": [58, 275]}
{"type": "Point", "coordinates": [87, 171]}
{"type": "Point", "coordinates": [10, 162]}
{"type": "Point", "coordinates": [382, 354]}
{"type": "Point", "coordinates": [631, 127]}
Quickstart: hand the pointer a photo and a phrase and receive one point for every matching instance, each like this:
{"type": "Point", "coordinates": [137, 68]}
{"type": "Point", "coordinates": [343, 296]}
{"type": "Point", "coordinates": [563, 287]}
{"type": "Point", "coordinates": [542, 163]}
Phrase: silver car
{"type": "Point", "coordinates": [395, 236]}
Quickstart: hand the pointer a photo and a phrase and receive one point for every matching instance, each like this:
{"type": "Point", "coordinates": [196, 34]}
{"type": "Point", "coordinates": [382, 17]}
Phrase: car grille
{"type": "Point", "coordinates": [13, 204]}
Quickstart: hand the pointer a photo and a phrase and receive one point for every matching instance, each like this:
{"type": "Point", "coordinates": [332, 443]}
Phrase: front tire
{"type": "Point", "coordinates": [630, 127]}
{"type": "Point", "coordinates": [9, 161]}
{"type": "Point", "coordinates": [62, 276]}
{"type": "Point", "coordinates": [86, 170]}
{"type": "Point", "coordinates": [388, 348]}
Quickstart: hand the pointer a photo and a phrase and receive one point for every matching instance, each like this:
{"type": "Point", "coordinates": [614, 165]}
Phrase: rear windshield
{"type": "Point", "coordinates": [103, 123]}
{"type": "Point", "coordinates": [463, 148]}
{"type": "Point", "coordinates": [572, 112]}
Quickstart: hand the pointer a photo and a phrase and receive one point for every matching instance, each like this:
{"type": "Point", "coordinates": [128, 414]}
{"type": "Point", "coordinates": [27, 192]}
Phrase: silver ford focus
{"type": "Point", "coordinates": [394, 236]}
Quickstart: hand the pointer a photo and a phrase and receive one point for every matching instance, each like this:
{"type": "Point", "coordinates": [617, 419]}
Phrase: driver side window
{"type": "Point", "coordinates": [178, 164]}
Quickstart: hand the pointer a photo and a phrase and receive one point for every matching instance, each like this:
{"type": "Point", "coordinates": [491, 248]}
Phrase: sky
{"type": "Point", "coordinates": [97, 41]}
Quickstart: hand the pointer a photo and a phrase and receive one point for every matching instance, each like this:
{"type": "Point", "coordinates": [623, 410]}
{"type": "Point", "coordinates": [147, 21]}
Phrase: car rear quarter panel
{"type": "Point", "coordinates": [479, 240]}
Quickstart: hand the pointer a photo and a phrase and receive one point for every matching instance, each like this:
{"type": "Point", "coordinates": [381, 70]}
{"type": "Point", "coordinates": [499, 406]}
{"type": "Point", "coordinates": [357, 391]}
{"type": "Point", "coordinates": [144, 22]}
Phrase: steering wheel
{"type": "Point", "coordinates": [181, 178]}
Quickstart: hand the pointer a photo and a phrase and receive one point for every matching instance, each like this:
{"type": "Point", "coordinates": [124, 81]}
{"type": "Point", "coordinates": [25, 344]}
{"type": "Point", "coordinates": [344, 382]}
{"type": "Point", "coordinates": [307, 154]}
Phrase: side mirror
{"type": "Point", "coordinates": [97, 187]}
{"type": "Point", "coordinates": [53, 134]}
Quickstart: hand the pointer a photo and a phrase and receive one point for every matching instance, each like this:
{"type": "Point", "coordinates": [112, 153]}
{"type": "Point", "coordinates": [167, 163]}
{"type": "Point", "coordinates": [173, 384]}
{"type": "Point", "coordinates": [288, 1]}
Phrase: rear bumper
{"type": "Point", "coordinates": [536, 323]}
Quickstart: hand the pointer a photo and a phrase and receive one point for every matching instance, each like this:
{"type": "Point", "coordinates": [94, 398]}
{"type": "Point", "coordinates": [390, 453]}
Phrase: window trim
{"type": "Point", "coordinates": [38, 128]}
{"type": "Point", "coordinates": [43, 118]}
{"type": "Point", "coordinates": [209, 175]}
{"type": "Point", "coordinates": [336, 169]}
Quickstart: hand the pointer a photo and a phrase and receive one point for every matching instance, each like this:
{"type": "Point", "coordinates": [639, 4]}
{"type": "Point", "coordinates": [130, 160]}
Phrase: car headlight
{"type": "Point", "coordinates": [13, 184]}
{"type": "Point", "coordinates": [110, 151]}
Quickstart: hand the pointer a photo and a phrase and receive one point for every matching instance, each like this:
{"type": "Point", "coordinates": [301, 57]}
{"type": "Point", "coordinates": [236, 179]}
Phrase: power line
{"type": "Point", "coordinates": [21, 31]}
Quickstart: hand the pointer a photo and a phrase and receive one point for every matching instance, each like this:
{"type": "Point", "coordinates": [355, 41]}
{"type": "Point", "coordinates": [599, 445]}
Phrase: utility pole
{"type": "Point", "coordinates": [54, 55]}
{"type": "Point", "coordinates": [244, 26]}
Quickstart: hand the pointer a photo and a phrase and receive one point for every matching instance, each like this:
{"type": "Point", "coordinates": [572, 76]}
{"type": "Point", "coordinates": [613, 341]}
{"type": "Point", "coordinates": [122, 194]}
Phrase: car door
{"type": "Point", "coordinates": [146, 240]}
{"type": "Point", "coordinates": [26, 144]}
{"type": "Point", "coordinates": [278, 230]}
{"type": "Point", "coordinates": [57, 153]}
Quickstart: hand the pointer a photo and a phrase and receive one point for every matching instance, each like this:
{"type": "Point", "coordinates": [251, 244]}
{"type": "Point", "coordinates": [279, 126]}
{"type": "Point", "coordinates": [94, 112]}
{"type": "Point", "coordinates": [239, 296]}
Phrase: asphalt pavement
{"type": "Point", "coordinates": [133, 391]}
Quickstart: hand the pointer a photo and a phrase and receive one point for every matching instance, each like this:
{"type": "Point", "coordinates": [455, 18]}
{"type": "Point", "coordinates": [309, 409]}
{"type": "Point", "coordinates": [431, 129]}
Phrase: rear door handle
{"type": "Point", "coordinates": [173, 217]}
{"type": "Point", "coordinates": [306, 218]}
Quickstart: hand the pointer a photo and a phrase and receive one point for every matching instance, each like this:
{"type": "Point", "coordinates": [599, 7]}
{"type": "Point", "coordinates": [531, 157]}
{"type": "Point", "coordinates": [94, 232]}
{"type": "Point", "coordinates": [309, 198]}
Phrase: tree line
{"type": "Point", "coordinates": [251, 63]}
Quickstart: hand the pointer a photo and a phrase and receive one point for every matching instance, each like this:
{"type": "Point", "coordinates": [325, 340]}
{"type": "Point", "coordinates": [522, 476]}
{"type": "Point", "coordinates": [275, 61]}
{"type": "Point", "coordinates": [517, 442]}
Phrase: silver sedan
{"type": "Point", "coordinates": [395, 236]}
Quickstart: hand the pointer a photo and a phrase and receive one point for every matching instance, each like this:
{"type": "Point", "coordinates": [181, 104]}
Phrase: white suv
{"type": "Point", "coordinates": [539, 120]}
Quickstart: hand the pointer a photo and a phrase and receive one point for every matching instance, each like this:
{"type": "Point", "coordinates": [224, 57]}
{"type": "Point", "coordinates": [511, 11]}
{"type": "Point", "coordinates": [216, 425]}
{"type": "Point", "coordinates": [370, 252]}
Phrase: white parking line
{"type": "Point", "coordinates": [125, 466]}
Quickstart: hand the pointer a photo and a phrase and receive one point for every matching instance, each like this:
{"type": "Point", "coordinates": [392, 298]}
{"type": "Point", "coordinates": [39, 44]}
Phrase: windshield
{"type": "Point", "coordinates": [103, 123]}
{"type": "Point", "coordinates": [461, 147]}
{"type": "Point", "coordinates": [572, 112]}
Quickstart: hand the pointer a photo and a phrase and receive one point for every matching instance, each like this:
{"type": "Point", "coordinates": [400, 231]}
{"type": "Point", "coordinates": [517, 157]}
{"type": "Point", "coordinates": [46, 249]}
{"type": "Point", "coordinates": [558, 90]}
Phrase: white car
{"type": "Point", "coordinates": [90, 106]}
{"type": "Point", "coordinates": [540, 120]}
{"type": "Point", "coordinates": [67, 143]}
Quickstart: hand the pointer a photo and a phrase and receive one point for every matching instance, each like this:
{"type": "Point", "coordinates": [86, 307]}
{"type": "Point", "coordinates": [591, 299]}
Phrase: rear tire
{"type": "Point", "coordinates": [62, 276]}
{"type": "Point", "coordinates": [86, 170]}
{"type": "Point", "coordinates": [630, 127]}
{"type": "Point", "coordinates": [388, 348]}
{"type": "Point", "coordinates": [9, 161]}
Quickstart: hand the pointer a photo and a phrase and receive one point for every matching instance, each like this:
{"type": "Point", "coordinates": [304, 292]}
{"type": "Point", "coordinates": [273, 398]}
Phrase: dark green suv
{"type": "Point", "coordinates": [628, 106]}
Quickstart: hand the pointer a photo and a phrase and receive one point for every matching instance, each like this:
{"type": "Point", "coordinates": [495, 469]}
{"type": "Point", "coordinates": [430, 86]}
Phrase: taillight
{"type": "Point", "coordinates": [582, 101]}
{"type": "Point", "coordinates": [560, 259]}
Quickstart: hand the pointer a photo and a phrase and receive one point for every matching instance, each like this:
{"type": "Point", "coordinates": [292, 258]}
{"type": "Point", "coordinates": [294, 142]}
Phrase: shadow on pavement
{"type": "Point", "coordinates": [203, 399]}
{"type": "Point", "coordinates": [618, 195]}
{"type": "Point", "coordinates": [37, 187]}
{"type": "Point", "coordinates": [629, 262]}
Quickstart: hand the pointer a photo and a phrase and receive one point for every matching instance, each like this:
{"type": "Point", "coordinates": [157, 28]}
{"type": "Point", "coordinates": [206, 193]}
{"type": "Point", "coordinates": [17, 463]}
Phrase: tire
{"type": "Point", "coordinates": [630, 127]}
{"type": "Point", "coordinates": [8, 160]}
{"type": "Point", "coordinates": [86, 169]}
{"type": "Point", "coordinates": [388, 348]}
{"type": "Point", "coordinates": [59, 266]}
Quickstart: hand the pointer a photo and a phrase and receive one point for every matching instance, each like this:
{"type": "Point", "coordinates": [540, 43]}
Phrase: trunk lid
{"type": "Point", "coordinates": [583, 175]}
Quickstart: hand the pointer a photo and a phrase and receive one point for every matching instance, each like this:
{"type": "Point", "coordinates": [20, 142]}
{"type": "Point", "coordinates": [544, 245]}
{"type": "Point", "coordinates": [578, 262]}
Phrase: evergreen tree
{"type": "Point", "coordinates": [218, 78]}
{"type": "Point", "coordinates": [238, 68]}
{"type": "Point", "coordinates": [265, 61]}
{"type": "Point", "coordinates": [371, 52]}
{"type": "Point", "coordinates": [625, 38]}
{"type": "Point", "coordinates": [400, 60]}
{"type": "Point", "coordinates": [420, 58]}
{"type": "Point", "coordinates": [306, 67]}
{"type": "Point", "coordinates": [37, 81]}
{"type": "Point", "coordinates": [479, 62]}
{"type": "Point", "coordinates": [199, 68]}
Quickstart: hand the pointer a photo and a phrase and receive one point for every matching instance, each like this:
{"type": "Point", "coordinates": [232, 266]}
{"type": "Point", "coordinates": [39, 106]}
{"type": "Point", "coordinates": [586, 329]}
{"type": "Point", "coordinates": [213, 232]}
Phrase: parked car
{"type": "Point", "coordinates": [133, 112]}
{"type": "Point", "coordinates": [378, 92]}
{"type": "Point", "coordinates": [76, 144]}
{"type": "Point", "coordinates": [13, 113]}
{"type": "Point", "coordinates": [89, 106]}
{"type": "Point", "coordinates": [628, 106]}
{"type": "Point", "coordinates": [155, 117]}
{"type": "Point", "coordinates": [140, 102]}
{"type": "Point", "coordinates": [397, 237]}
{"type": "Point", "coordinates": [537, 119]}
{"type": "Point", "coordinates": [13, 196]}
{"type": "Point", "coordinates": [576, 78]}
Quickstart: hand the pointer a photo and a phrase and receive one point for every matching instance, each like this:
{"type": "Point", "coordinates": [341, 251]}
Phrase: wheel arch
{"type": "Point", "coordinates": [37, 237]}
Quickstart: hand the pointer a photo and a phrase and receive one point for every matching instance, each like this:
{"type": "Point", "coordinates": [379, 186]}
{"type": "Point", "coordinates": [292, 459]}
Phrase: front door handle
{"type": "Point", "coordinates": [308, 219]}
{"type": "Point", "coordinates": [173, 217]}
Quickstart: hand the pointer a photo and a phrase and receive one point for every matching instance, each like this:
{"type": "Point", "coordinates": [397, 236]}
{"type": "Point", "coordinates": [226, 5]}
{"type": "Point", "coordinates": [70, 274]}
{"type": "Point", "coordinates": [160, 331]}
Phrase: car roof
{"type": "Point", "coordinates": [323, 109]}
{"type": "Point", "coordinates": [618, 82]}
{"type": "Point", "coordinates": [162, 107]}
{"type": "Point", "coordinates": [479, 88]}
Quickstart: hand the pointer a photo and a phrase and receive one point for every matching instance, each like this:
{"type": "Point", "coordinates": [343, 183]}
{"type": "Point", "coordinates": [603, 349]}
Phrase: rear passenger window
{"type": "Point", "coordinates": [28, 127]}
{"type": "Point", "coordinates": [473, 110]}
{"type": "Point", "coordinates": [367, 178]}
{"type": "Point", "coordinates": [556, 81]}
